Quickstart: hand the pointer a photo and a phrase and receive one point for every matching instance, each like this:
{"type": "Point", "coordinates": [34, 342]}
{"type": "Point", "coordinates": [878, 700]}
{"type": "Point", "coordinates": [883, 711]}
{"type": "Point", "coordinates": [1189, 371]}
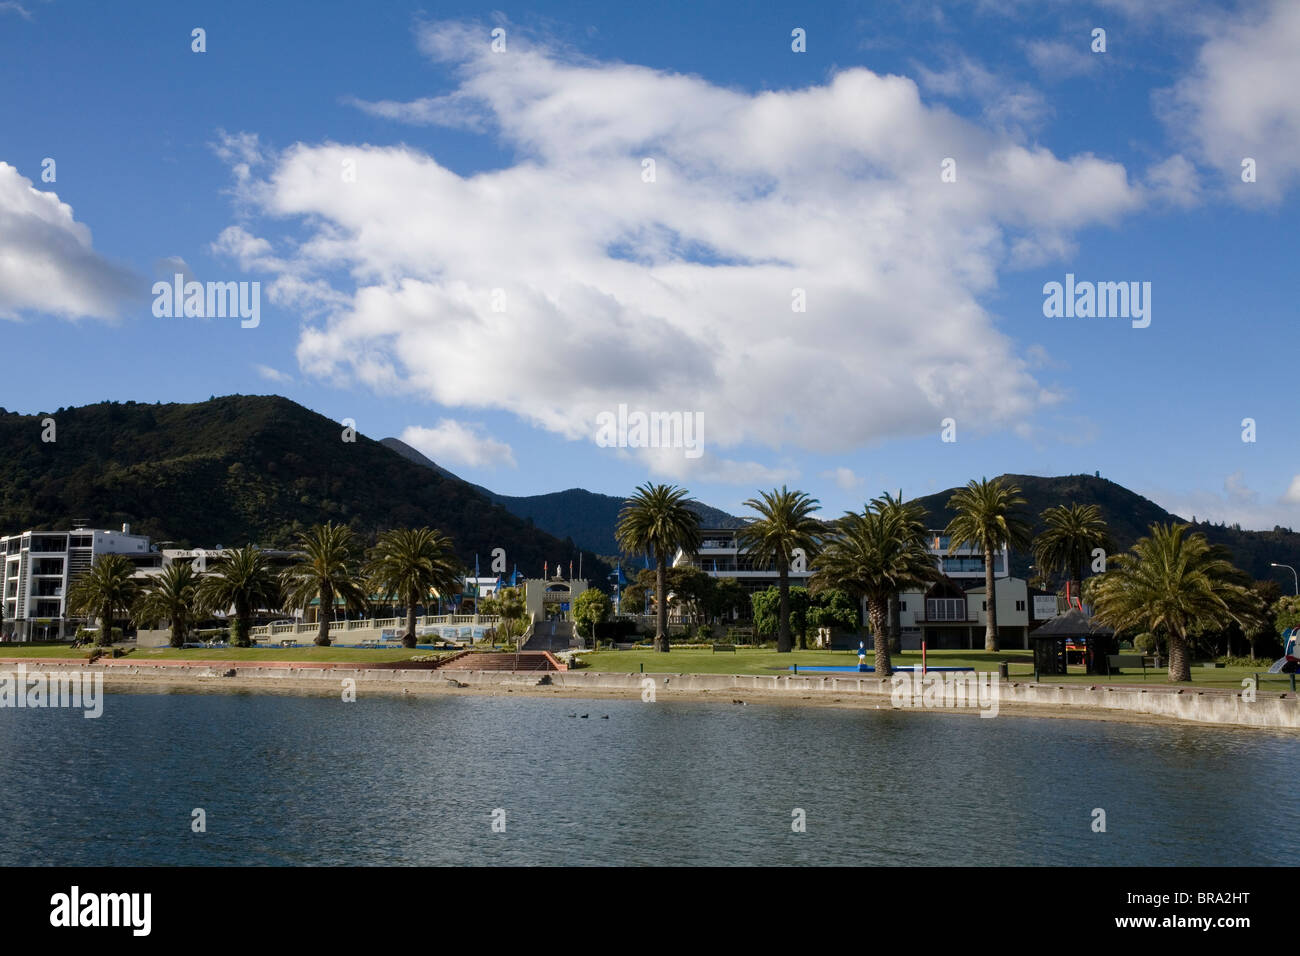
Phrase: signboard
{"type": "Point", "coordinates": [1044, 607]}
{"type": "Point", "coordinates": [564, 606]}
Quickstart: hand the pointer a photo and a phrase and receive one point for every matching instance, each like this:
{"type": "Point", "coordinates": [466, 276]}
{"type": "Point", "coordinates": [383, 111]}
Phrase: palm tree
{"type": "Point", "coordinates": [874, 555]}
{"type": "Point", "coordinates": [986, 518]}
{"type": "Point", "coordinates": [657, 518]}
{"type": "Point", "coordinates": [171, 596]}
{"type": "Point", "coordinates": [242, 579]}
{"type": "Point", "coordinates": [108, 586]}
{"type": "Point", "coordinates": [1073, 532]}
{"type": "Point", "coordinates": [326, 570]}
{"type": "Point", "coordinates": [1171, 584]}
{"type": "Point", "coordinates": [409, 563]}
{"type": "Point", "coordinates": [511, 607]}
{"type": "Point", "coordinates": [784, 525]}
{"type": "Point", "coordinates": [912, 516]}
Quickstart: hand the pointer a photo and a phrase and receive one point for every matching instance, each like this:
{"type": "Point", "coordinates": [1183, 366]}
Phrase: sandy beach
{"type": "Point", "coordinates": [118, 680]}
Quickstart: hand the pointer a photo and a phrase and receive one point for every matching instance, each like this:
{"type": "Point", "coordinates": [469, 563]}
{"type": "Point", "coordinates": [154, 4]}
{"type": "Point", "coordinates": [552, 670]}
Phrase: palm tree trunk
{"type": "Point", "coordinates": [895, 625]}
{"type": "Point", "coordinates": [1180, 664]}
{"type": "Point", "coordinates": [178, 635]}
{"type": "Point", "coordinates": [243, 620]}
{"type": "Point", "coordinates": [106, 626]}
{"type": "Point", "coordinates": [661, 605]}
{"type": "Point", "coordinates": [877, 610]}
{"type": "Point", "coordinates": [783, 643]}
{"type": "Point", "coordinates": [408, 639]}
{"type": "Point", "coordinates": [323, 621]}
{"type": "Point", "coordinates": [991, 619]}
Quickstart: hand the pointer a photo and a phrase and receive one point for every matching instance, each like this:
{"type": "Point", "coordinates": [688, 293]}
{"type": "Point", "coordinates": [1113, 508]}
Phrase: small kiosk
{"type": "Point", "coordinates": [1074, 626]}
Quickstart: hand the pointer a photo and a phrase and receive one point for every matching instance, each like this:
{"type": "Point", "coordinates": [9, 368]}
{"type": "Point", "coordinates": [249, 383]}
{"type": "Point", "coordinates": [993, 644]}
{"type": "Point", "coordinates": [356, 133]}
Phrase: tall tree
{"type": "Point", "coordinates": [911, 517]}
{"type": "Point", "coordinates": [874, 555]}
{"type": "Point", "coordinates": [245, 580]}
{"type": "Point", "coordinates": [784, 526]}
{"type": "Point", "coordinates": [987, 518]}
{"type": "Point", "coordinates": [107, 587]}
{"type": "Point", "coordinates": [326, 570]}
{"type": "Point", "coordinates": [1067, 542]}
{"type": "Point", "coordinates": [171, 596]}
{"type": "Point", "coordinates": [591, 608]}
{"type": "Point", "coordinates": [1172, 584]}
{"type": "Point", "coordinates": [410, 563]}
{"type": "Point", "coordinates": [658, 519]}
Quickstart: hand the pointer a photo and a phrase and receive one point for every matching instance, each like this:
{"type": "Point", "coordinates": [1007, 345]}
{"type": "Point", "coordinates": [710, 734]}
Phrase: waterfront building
{"type": "Point", "coordinates": [41, 566]}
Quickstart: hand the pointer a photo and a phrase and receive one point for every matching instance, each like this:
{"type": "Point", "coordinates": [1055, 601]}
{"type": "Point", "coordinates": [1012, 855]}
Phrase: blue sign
{"type": "Point", "coordinates": [564, 606]}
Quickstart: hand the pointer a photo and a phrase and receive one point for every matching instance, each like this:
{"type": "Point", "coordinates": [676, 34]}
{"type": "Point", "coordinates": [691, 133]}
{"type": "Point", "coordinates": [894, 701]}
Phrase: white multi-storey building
{"type": "Point", "coordinates": [41, 566]}
{"type": "Point", "coordinates": [721, 556]}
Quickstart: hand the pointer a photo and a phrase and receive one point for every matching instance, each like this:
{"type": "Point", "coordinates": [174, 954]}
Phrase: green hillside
{"type": "Point", "coordinates": [585, 516]}
{"type": "Point", "coordinates": [1129, 516]}
{"type": "Point", "coordinates": [242, 468]}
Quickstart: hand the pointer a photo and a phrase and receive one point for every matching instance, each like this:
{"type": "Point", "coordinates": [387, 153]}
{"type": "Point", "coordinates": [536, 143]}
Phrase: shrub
{"type": "Point", "coordinates": [1145, 643]}
{"type": "Point", "coordinates": [705, 633]}
{"type": "Point", "coordinates": [1243, 661]}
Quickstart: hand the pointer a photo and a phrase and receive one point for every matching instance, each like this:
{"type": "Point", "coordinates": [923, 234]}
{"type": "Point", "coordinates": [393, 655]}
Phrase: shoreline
{"type": "Point", "coordinates": [1145, 705]}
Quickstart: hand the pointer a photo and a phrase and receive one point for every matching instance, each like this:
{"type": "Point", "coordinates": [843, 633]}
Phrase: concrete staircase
{"type": "Point", "coordinates": [502, 661]}
{"type": "Point", "coordinates": [550, 636]}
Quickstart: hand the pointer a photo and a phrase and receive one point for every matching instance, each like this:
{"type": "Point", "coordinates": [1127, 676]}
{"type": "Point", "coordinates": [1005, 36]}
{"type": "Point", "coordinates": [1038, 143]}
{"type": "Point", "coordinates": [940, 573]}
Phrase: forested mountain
{"type": "Point", "coordinates": [242, 469]}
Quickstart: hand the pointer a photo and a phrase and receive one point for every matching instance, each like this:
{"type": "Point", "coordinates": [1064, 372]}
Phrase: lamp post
{"type": "Point", "coordinates": [1274, 564]}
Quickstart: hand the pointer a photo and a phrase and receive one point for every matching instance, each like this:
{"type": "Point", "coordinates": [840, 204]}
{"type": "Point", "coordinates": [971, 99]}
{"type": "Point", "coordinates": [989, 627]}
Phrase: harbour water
{"type": "Point", "coordinates": [422, 780]}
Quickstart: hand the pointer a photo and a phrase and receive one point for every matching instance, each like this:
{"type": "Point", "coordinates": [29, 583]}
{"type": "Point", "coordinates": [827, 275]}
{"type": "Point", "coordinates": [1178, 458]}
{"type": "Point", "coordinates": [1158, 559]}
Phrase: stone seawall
{"type": "Point", "coordinates": [1209, 706]}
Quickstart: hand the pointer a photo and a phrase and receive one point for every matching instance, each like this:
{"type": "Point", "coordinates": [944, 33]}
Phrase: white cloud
{"type": "Point", "coordinates": [1239, 100]}
{"type": "Point", "coordinates": [1059, 59]}
{"type": "Point", "coordinates": [1006, 104]}
{"type": "Point", "coordinates": [273, 374]}
{"type": "Point", "coordinates": [13, 6]}
{"type": "Point", "coordinates": [1175, 181]}
{"type": "Point", "coordinates": [1292, 494]}
{"type": "Point", "coordinates": [1237, 503]}
{"type": "Point", "coordinates": [677, 293]}
{"type": "Point", "coordinates": [47, 263]}
{"type": "Point", "coordinates": [845, 478]}
{"type": "Point", "coordinates": [457, 443]}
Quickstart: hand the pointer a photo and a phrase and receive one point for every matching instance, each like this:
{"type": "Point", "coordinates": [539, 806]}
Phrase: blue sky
{"type": "Point", "coordinates": [521, 170]}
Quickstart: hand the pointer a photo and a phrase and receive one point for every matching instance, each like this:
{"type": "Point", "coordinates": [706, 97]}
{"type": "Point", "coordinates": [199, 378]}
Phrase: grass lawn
{"type": "Point", "coordinates": [362, 654]}
{"type": "Point", "coordinates": [1020, 665]}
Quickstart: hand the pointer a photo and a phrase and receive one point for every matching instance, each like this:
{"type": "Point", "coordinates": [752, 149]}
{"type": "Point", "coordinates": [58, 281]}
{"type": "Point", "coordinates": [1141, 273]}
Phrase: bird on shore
{"type": "Point", "coordinates": [604, 716]}
{"type": "Point", "coordinates": [585, 716]}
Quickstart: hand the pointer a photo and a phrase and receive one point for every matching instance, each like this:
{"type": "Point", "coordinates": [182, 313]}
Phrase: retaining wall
{"type": "Point", "coordinates": [1211, 706]}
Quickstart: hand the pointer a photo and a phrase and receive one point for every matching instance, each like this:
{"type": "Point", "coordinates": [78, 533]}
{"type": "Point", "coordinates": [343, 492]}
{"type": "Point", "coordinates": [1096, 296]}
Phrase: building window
{"type": "Point", "coordinates": [1020, 605]}
{"type": "Point", "coordinates": [984, 605]}
{"type": "Point", "coordinates": [945, 609]}
{"type": "Point", "coordinates": [902, 605]}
